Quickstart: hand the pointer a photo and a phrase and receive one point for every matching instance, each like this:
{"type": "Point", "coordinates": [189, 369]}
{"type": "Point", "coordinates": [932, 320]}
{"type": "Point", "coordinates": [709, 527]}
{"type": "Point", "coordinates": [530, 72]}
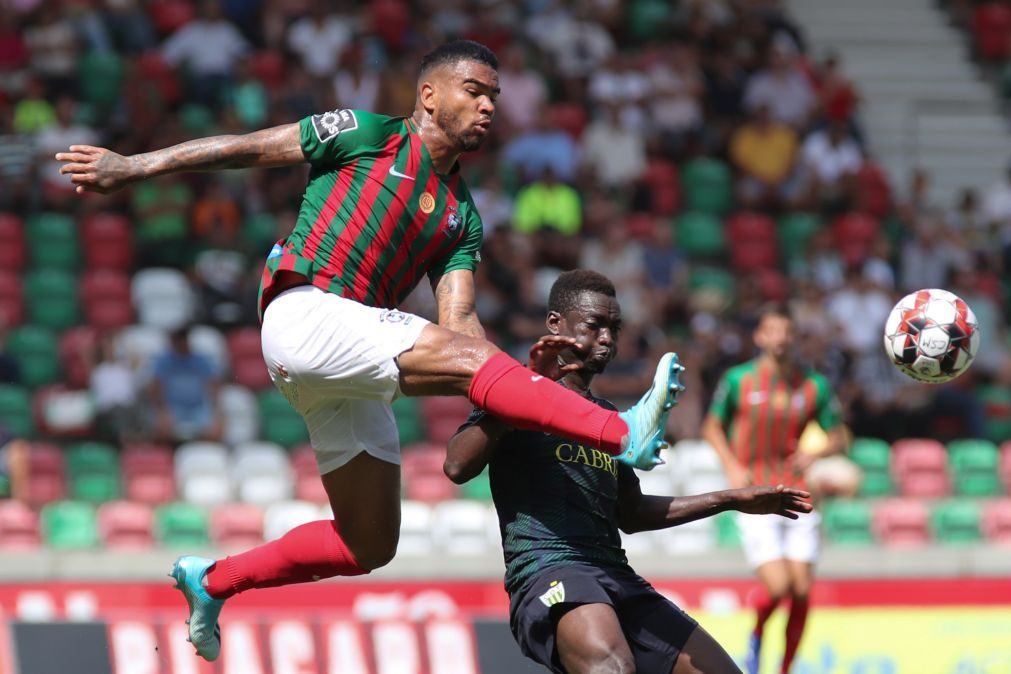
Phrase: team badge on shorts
{"type": "Point", "coordinates": [426, 202]}
{"type": "Point", "coordinates": [554, 595]}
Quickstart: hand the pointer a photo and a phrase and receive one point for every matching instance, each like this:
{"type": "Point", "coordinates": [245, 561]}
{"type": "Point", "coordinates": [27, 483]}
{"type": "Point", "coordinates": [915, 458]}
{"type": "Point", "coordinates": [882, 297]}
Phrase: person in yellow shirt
{"type": "Point", "coordinates": [764, 153]}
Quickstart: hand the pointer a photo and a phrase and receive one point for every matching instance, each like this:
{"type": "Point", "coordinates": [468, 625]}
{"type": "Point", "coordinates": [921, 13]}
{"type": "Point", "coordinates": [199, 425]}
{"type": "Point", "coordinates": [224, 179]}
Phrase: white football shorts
{"type": "Point", "coordinates": [334, 359]}
{"type": "Point", "coordinates": [770, 537]}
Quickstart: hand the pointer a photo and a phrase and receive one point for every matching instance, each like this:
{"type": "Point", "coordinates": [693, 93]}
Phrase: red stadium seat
{"type": "Point", "coordinates": [152, 69]}
{"type": "Point", "coordinates": [19, 527]}
{"type": "Point", "coordinates": [991, 28]}
{"type": "Point", "coordinates": [107, 242]}
{"type": "Point", "coordinates": [664, 183]}
{"type": "Point", "coordinates": [746, 226]}
{"type": "Point", "coordinates": [268, 67]}
{"type": "Point", "coordinates": [237, 526]}
{"type": "Point", "coordinates": [749, 256]}
{"type": "Point", "coordinates": [773, 285]}
{"type": "Point", "coordinates": [169, 16]}
{"type": "Point", "coordinates": [105, 295]}
{"type": "Point", "coordinates": [46, 481]}
{"type": "Point", "coordinates": [997, 522]}
{"type": "Point", "coordinates": [12, 308]}
{"type": "Point", "coordinates": [148, 474]}
{"type": "Point", "coordinates": [246, 358]}
{"type": "Point", "coordinates": [443, 416]}
{"type": "Point", "coordinates": [920, 468]}
{"type": "Point", "coordinates": [423, 476]}
{"type": "Point", "coordinates": [12, 242]}
{"type": "Point", "coordinates": [642, 226]}
{"type": "Point", "coordinates": [77, 348]}
{"type": "Point", "coordinates": [901, 523]}
{"type": "Point", "coordinates": [308, 486]}
{"type": "Point", "coordinates": [1005, 465]}
{"type": "Point", "coordinates": [126, 525]}
{"type": "Point", "coordinates": [853, 234]}
{"type": "Point", "coordinates": [874, 194]}
{"type": "Point", "coordinates": [570, 118]}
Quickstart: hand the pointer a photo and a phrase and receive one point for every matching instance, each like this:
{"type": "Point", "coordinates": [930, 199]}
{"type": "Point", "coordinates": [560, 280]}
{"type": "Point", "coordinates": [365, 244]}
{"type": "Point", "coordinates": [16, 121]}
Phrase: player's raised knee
{"type": "Point", "coordinates": [375, 554]}
{"type": "Point", "coordinates": [606, 661]}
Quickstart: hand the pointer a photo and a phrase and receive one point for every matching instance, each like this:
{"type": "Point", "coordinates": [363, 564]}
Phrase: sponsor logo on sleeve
{"type": "Point", "coordinates": [331, 124]}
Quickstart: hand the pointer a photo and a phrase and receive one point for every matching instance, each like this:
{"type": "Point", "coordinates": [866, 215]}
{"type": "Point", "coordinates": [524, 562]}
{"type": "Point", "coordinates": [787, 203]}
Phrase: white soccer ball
{"type": "Point", "coordinates": [932, 335]}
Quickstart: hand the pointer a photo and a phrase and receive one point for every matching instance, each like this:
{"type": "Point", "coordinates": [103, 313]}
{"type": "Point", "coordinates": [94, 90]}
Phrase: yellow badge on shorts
{"type": "Point", "coordinates": [554, 595]}
{"type": "Point", "coordinates": [426, 202]}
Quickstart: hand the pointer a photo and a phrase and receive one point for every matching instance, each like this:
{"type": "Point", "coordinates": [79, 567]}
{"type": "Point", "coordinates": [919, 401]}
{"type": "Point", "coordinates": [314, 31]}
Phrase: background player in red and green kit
{"type": "Point", "coordinates": [758, 413]}
{"type": "Point", "coordinates": [384, 207]}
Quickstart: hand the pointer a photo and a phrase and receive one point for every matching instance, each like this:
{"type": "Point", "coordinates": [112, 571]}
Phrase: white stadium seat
{"type": "Point", "coordinates": [240, 414]}
{"type": "Point", "coordinates": [415, 529]}
{"type": "Point", "coordinates": [280, 518]}
{"type": "Point", "coordinates": [162, 297]}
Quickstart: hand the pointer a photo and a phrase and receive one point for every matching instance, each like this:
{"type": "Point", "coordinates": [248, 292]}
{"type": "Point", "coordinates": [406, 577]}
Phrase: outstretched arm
{"type": "Point", "coordinates": [454, 296]}
{"type": "Point", "coordinates": [469, 451]}
{"type": "Point", "coordinates": [97, 169]}
{"type": "Point", "coordinates": [639, 512]}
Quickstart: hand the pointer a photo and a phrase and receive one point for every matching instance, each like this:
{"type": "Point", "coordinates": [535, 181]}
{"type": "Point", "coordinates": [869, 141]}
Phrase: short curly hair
{"type": "Point", "coordinates": [570, 285]}
{"type": "Point", "coordinates": [456, 51]}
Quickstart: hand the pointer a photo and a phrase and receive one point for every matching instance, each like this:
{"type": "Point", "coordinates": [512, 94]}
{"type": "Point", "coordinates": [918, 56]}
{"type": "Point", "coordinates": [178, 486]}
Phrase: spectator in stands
{"type": "Point", "coordinates": [620, 83]}
{"type": "Point", "coordinates": [782, 86]}
{"type": "Point", "coordinates": [764, 153]}
{"type": "Point", "coordinates": [356, 85]}
{"type": "Point", "coordinates": [249, 99]}
{"type": "Point", "coordinates": [837, 97]}
{"type": "Point", "coordinates": [997, 202]}
{"type": "Point", "coordinates": [675, 96]}
{"type": "Point", "coordinates": [114, 389]}
{"type": "Point", "coordinates": [17, 161]}
{"type": "Point", "coordinates": [320, 38]}
{"type": "Point", "coordinates": [493, 203]}
{"type": "Point", "coordinates": [966, 281]}
{"type": "Point", "coordinates": [543, 146]}
{"type": "Point", "coordinates": [184, 392]}
{"type": "Point", "coordinates": [862, 296]}
{"type": "Point", "coordinates": [54, 48]}
{"type": "Point", "coordinates": [615, 154]}
{"type": "Point", "coordinates": [576, 44]}
{"type": "Point", "coordinates": [548, 203]}
{"type": "Point", "coordinates": [926, 258]}
{"type": "Point", "coordinates": [528, 93]}
{"type": "Point", "coordinates": [13, 466]}
{"type": "Point", "coordinates": [14, 55]}
{"type": "Point", "coordinates": [211, 71]}
{"type": "Point", "coordinates": [622, 257]}
{"type": "Point", "coordinates": [66, 130]}
{"type": "Point", "coordinates": [831, 159]}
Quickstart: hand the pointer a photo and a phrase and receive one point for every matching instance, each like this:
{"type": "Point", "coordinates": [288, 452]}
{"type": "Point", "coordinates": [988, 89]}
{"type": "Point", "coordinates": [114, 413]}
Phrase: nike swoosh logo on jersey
{"type": "Point", "coordinates": [536, 377]}
{"type": "Point", "coordinates": [397, 174]}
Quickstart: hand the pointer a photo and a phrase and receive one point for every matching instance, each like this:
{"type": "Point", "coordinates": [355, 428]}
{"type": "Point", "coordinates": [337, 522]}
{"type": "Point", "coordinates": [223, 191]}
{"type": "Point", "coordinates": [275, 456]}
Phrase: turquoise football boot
{"type": "Point", "coordinates": [647, 419]}
{"type": "Point", "coordinates": [205, 633]}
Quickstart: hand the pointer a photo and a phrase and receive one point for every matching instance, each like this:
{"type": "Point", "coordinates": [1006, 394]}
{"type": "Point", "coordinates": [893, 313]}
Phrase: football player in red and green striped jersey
{"type": "Point", "coordinates": [755, 421]}
{"type": "Point", "coordinates": [384, 207]}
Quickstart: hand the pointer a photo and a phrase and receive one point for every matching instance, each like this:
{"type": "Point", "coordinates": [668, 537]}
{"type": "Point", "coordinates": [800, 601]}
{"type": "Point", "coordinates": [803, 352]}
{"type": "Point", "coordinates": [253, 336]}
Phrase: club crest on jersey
{"type": "Point", "coordinates": [453, 222]}
{"type": "Point", "coordinates": [426, 202]}
{"type": "Point", "coordinates": [554, 595]}
{"type": "Point", "coordinates": [329, 125]}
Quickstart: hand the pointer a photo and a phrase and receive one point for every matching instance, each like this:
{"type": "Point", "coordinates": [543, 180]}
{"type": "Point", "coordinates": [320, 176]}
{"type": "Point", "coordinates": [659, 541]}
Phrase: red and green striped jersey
{"type": "Point", "coordinates": [766, 414]}
{"type": "Point", "coordinates": [375, 217]}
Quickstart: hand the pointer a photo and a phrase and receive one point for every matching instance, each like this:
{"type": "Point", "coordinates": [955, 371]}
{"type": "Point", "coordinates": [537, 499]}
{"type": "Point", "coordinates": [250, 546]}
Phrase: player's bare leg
{"type": "Point", "coordinates": [589, 640]}
{"type": "Point", "coordinates": [365, 496]}
{"type": "Point", "coordinates": [443, 362]}
{"type": "Point", "coordinates": [801, 579]}
{"type": "Point", "coordinates": [703, 655]}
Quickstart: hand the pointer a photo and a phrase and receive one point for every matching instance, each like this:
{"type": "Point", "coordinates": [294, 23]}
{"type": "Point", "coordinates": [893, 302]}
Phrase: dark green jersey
{"type": "Point", "coordinates": [557, 502]}
{"type": "Point", "coordinates": [766, 414]}
{"type": "Point", "coordinates": [375, 216]}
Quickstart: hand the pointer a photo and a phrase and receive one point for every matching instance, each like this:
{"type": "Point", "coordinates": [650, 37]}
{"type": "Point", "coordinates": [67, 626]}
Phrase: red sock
{"type": "Point", "coordinates": [764, 607]}
{"type": "Point", "coordinates": [794, 630]}
{"type": "Point", "coordinates": [509, 391]}
{"type": "Point", "coordinates": [308, 552]}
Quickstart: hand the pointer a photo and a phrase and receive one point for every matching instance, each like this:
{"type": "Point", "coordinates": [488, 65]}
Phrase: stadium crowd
{"type": "Point", "coordinates": [699, 153]}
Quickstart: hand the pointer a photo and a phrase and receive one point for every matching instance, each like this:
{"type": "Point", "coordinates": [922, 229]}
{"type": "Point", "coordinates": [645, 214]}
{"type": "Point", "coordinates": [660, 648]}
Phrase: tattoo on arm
{"type": "Point", "coordinates": [454, 295]}
{"type": "Point", "coordinates": [276, 146]}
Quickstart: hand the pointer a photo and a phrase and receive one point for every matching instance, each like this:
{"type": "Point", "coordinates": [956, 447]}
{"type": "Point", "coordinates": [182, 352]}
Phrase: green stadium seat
{"type": "Point", "coordinates": [956, 522]}
{"type": "Point", "coordinates": [478, 489]}
{"type": "Point", "coordinates": [713, 279]}
{"type": "Point", "coordinates": [52, 241]}
{"type": "Point", "coordinates": [794, 230]}
{"type": "Point", "coordinates": [847, 522]}
{"type": "Point", "coordinates": [101, 77]}
{"type": "Point", "coordinates": [69, 525]}
{"type": "Point", "coordinates": [37, 351]}
{"type": "Point", "coordinates": [93, 472]}
{"type": "Point", "coordinates": [409, 423]}
{"type": "Point", "coordinates": [973, 466]}
{"type": "Point", "coordinates": [281, 423]}
{"type": "Point", "coordinates": [51, 299]}
{"type": "Point", "coordinates": [728, 535]}
{"type": "Point", "coordinates": [181, 525]}
{"type": "Point", "coordinates": [16, 411]}
{"type": "Point", "coordinates": [707, 185]}
{"type": "Point", "coordinates": [645, 19]}
{"type": "Point", "coordinates": [873, 456]}
{"type": "Point", "coordinates": [997, 402]}
{"type": "Point", "coordinates": [700, 234]}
